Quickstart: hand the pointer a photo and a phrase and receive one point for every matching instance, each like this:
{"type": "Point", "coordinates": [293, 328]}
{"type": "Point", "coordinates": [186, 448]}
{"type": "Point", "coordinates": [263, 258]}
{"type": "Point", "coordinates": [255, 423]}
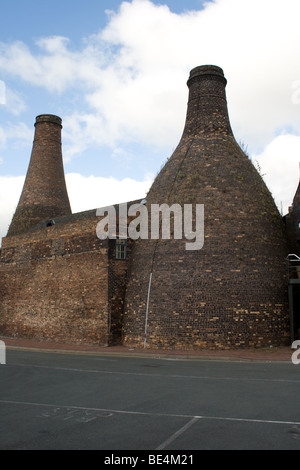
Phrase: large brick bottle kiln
{"type": "Point", "coordinates": [232, 292]}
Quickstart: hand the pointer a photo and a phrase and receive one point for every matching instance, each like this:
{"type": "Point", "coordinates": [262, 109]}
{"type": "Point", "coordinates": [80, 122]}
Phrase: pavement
{"type": "Point", "coordinates": [265, 354]}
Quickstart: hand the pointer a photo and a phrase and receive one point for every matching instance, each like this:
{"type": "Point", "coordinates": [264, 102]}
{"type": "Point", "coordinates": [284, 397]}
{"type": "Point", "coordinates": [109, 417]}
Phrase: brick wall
{"type": "Point", "coordinates": [61, 283]}
{"type": "Point", "coordinates": [54, 283]}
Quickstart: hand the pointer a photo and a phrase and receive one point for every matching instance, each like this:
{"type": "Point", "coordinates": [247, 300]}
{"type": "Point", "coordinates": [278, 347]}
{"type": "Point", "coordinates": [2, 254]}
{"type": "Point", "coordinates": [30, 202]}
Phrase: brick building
{"type": "Point", "coordinates": [59, 281]}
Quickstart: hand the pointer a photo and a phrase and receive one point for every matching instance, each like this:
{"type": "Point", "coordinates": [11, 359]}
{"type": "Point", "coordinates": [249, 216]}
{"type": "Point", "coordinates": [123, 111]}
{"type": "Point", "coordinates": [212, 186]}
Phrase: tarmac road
{"type": "Point", "coordinates": [54, 400]}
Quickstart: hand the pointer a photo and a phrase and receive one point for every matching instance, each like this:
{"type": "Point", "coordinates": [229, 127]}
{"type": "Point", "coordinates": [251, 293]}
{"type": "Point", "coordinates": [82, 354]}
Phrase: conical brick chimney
{"type": "Point", "coordinates": [44, 195]}
{"type": "Point", "coordinates": [232, 292]}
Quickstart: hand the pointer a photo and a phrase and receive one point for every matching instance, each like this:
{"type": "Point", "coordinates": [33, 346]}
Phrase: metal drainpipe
{"type": "Point", "coordinates": [147, 309]}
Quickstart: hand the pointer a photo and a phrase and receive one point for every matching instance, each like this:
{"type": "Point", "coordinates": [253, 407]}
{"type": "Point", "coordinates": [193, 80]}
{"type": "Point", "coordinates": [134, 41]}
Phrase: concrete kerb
{"type": "Point", "coordinates": [278, 354]}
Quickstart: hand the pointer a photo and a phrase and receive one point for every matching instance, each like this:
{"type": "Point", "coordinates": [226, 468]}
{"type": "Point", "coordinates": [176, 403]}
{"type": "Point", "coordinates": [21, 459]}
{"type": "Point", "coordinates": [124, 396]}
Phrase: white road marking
{"type": "Point", "coordinates": [145, 413]}
{"type": "Point", "coordinates": [146, 374]}
{"type": "Point", "coordinates": [176, 434]}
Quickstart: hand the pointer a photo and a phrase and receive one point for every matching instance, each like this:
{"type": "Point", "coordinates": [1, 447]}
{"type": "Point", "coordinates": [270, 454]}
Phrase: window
{"type": "Point", "coordinates": [50, 223]}
{"type": "Point", "coordinates": [121, 248]}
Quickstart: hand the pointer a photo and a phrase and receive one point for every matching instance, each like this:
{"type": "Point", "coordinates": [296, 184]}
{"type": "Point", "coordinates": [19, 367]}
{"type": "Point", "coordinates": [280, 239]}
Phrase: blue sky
{"type": "Point", "coordinates": [116, 73]}
{"type": "Point", "coordinates": [33, 20]}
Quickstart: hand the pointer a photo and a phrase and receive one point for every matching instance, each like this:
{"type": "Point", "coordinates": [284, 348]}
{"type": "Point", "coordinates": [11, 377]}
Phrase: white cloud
{"type": "Point", "coordinates": [19, 134]}
{"type": "Point", "coordinates": [142, 93]}
{"type": "Point", "coordinates": [14, 102]}
{"type": "Point", "coordinates": [85, 193]}
{"type": "Point", "coordinates": [255, 42]}
{"type": "Point", "coordinates": [54, 44]}
{"type": "Point", "coordinates": [11, 100]}
{"type": "Point", "coordinates": [54, 68]}
{"type": "Point", "coordinates": [2, 138]}
{"type": "Point", "coordinates": [279, 165]}
{"type": "Point", "coordinates": [10, 191]}
{"type": "Point", "coordinates": [17, 60]}
{"type": "Point", "coordinates": [92, 192]}
{"type": "Point", "coordinates": [131, 76]}
{"type": "Point", "coordinates": [82, 130]}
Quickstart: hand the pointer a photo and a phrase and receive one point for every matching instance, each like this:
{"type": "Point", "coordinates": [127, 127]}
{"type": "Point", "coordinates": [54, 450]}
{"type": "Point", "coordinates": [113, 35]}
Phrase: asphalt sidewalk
{"type": "Point", "coordinates": [268, 354]}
